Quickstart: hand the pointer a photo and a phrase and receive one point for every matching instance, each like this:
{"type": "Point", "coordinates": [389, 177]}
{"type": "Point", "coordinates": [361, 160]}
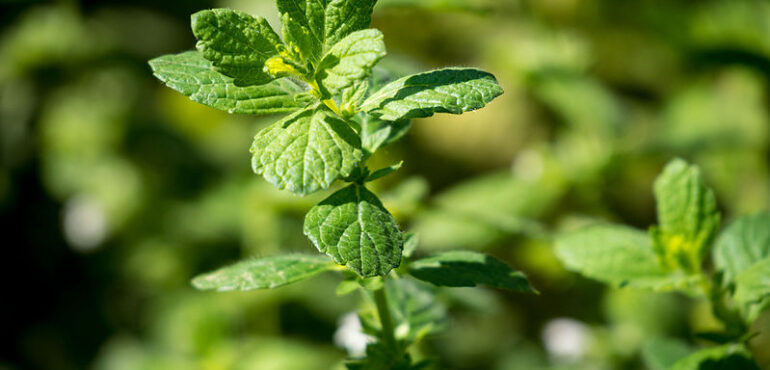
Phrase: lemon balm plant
{"type": "Point", "coordinates": [672, 257]}
{"type": "Point", "coordinates": [319, 72]}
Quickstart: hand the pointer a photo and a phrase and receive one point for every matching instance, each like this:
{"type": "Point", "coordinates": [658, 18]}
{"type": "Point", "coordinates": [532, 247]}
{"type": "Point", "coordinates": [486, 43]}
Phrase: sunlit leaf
{"type": "Point", "coordinates": [382, 172]}
{"type": "Point", "coordinates": [688, 217]}
{"type": "Point", "coordinates": [306, 151]}
{"type": "Point", "coordinates": [349, 60]}
{"type": "Point", "coordinates": [353, 228]}
{"type": "Point", "coordinates": [449, 90]}
{"type": "Point", "coordinates": [264, 273]}
{"type": "Point", "coordinates": [194, 76]}
{"type": "Point", "coordinates": [343, 17]}
{"type": "Point", "coordinates": [237, 43]}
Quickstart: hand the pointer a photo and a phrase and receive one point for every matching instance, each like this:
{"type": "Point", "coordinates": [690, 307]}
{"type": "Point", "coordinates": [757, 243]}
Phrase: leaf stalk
{"type": "Point", "coordinates": [386, 321]}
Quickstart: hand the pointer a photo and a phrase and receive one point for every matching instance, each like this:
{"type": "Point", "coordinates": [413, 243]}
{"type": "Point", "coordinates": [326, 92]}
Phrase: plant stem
{"type": "Point", "coordinates": [388, 337]}
{"type": "Point", "coordinates": [333, 106]}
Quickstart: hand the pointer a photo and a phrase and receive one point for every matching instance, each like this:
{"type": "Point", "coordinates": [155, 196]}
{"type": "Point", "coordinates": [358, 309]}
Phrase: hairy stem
{"type": "Point", "coordinates": [388, 337]}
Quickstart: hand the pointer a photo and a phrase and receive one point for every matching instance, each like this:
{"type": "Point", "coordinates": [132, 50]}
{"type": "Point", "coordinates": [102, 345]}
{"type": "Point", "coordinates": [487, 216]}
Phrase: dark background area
{"type": "Point", "coordinates": [115, 191]}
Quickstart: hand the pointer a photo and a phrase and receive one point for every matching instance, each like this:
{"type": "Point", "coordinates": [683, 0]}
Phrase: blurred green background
{"type": "Point", "coordinates": [115, 191]}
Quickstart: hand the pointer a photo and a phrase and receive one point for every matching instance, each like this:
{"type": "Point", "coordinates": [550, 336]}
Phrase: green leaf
{"type": "Point", "coordinates": [353, 96]}
{"type": "Point", "coordinates": [344, 17]}
{"type": "Point", "coordinates": [468, 269]}
{"type": "Point", "coordinates": [194, 76]}
{"type": "Point", "coordinates": [742, 244]}
{"type": "Point", "coordinates": [382, 172]}
{"type": "Point", "coordinates": [237, 43]}
{"type": "Point", "coordinates": [618, 255]}
{"type": "Point", "coordinates": [317, 25]}
{"type": "Point", "coordinates": [376, 133]}
{"type": "Point", "coordinates": [300, 41]}
{"type": "Point", "coordinates": [372, 283]}
{"type": "Point", "coordinates": [264, 273]}
{"type": "Point", "coordinates": [411, 241]}
{"type": "Point", "coordinates": [753, 284]}
{"type": "Point", "coordinates": [350, 60]}
{"type": "Point", "coordinates": [347, 286]}
{"type": "Point", "coordinates": [306, 151]}
{"type": "Point", "coordinates": [354, 282]}
{"type": "Point", "coordinates": [308, 19]}
{"type": "Point", "coordinates": [688, 217]}
{"type": "Point", "coordinates": [381, 357]}
{"type": "Point", "coordinates": [662, 353]}
{"type": "Point", "coordinates": [449, 90]}
{"type": "Point", "coordinates": [354, 228]}
{"type": "Point", "coordinates": [414, 309]}
{"type": "Point", "coordinates": [726, 357]}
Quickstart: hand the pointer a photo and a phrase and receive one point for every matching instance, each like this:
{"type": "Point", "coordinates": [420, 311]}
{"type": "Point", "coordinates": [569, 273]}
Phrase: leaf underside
{"type": "Point", "coordinates": [306, 151]}
{"type": "Point", "coordinates": [354, 228]}
{"type": "Point", "coordinates": [263, 273]}
{"type": "Point", "coordinates": [468, 269]}
{"type": "Point", "coordinates": [194, 76]}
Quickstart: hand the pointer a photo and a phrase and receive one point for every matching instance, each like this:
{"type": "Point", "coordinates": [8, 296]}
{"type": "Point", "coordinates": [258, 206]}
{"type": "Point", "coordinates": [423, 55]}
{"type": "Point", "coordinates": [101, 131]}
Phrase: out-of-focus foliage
{"type": "Point", "coordinates": [115, 191]}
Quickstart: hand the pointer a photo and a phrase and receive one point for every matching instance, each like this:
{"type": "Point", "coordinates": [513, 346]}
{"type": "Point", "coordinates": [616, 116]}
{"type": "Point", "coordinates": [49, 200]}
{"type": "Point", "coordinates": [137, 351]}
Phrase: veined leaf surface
{"type": "Point", "coordinates": [354, 228]}
{"type": "Point", "coordinates": [194, 76]}
{"type": "Point", "coordinates": [306, 151]}
{"type": "Point", "coordinates": [237, 43]}
{"type": "Point", "coordinates": [449, 90]}
{"type": "Point", "coordinates": [264, 273]}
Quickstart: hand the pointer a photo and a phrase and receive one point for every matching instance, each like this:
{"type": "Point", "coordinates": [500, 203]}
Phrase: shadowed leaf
{"type": "Point", "coordinates": [468, 269]}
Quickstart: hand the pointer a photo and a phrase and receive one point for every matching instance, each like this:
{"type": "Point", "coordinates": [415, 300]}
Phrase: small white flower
{"type": "Point", "coordinates": [84, 223]}
{"type": "Point", "coordinates": [566, 339]}
{"type": "Point", "coordinates": [350, 336]}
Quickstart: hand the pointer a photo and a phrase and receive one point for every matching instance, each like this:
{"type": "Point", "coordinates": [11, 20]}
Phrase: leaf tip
{"type": "Point", "coordinates": [199, 283]}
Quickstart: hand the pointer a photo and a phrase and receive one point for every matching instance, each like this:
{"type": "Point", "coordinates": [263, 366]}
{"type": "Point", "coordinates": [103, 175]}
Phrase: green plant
{"type": "Point", "coordinates": [341, 113]}
{"type": "Point", "coordinates": [671, 258]}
